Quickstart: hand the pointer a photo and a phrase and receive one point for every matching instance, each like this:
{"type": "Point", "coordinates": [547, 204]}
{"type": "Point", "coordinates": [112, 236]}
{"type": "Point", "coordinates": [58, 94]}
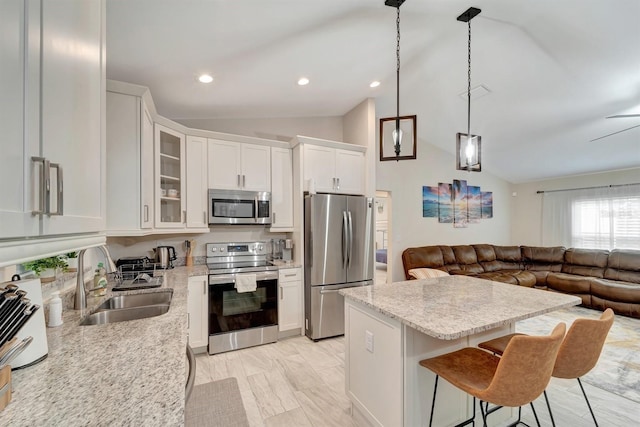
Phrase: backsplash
{"type": "Point", "coordinates": [120, 247]}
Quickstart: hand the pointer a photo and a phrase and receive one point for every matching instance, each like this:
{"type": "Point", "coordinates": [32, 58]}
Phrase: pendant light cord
{"type": "Point", "coordinates": [398, 70]}
{"type": "Point", "coordinates": [469, 84]}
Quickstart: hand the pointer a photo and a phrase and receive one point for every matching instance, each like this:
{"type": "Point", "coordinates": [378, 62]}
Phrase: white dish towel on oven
{"type": "Point", "coordinates": [245, 282]}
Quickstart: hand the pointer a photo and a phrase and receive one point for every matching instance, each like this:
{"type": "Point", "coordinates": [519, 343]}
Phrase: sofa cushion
{"type": "Point", "coordinates": [422, 257]}
{"type": "Point", "coordinates": [497, 276]}
{"type": "Point", "coordinates": [467, 259]}
{"type": "Point", "coordinates": [569, 283]}
{"type": "Point", "coordinates": [616, 291]}
{"type": "Point", "coordinates": [623, 265]}
{"type": "Point", "coordinates": [543, 255]}
{"type": "Point", "coordinates": [585, 262]}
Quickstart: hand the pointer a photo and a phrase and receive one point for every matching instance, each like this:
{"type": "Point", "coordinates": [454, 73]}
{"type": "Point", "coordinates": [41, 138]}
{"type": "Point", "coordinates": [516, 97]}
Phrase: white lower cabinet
{"type": "Point", "coordinates": [197, 307]}
{"type": "Point", "coordinates": [289, 299]}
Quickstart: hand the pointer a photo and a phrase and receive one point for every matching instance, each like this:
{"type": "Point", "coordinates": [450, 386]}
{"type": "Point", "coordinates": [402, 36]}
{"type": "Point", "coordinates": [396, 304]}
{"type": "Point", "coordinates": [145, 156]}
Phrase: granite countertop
{"type": "Point", "coordinates": [456, 306]}
{"type": "Point", "coordinates": [126, 373]}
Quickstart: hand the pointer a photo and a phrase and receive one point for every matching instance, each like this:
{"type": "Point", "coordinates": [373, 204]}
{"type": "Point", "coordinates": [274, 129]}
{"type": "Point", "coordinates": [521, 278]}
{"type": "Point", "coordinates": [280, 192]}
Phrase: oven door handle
{"type": "Point", "coordinates": [255, 207]}
{"type": "Point", "coordinates": [222, 279]}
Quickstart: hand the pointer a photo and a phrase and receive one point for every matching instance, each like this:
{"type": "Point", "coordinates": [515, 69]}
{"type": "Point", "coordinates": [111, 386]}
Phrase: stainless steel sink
{"type": "Point", "coordinates": [136, 300]}
{"type": "Point", "coordinates": [124, 314]}
{"type": "Point", "coordinates": [130, 307]}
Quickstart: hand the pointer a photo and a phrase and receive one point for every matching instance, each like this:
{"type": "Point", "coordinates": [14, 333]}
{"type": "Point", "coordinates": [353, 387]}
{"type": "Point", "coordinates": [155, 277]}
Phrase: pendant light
{"type": "Point", "coordinates": [397, 132]}
{"type": "Point", "coordinates": [468, 145]}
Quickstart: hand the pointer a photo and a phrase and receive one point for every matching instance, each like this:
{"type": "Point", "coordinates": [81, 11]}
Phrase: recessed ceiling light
{"type": "Point", "coordinates": [205, 78]}
{"type": "Point", "coordinates": [303, 81]}
{"type": "Point", "coordinates": [374, 84]}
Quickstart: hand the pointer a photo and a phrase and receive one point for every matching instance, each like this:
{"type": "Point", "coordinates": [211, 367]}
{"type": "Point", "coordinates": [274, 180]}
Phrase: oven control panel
{"type": "Point", "coordinates": [236, 249]}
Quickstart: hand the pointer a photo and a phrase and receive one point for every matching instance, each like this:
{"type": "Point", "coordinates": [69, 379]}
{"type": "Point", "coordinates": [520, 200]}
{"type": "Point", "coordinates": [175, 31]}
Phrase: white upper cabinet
{"type": "Point", "coordinates": [169, 178]}
{"type": "Point", "coordinates": [129, 165]}
{"type": "Point", "coordinates": [350, 172]}
{"type": "Point", "coordinates": [281, 189]}
{"type": "Point", "coordinates": [239, 166]}
{"type": "Point", "coordinates": [256, 167]}
{"type": "Point", "coordinates": [18, 146]}
{"type": "Point", "coordinates": [197, 183]}
{"type": "Point", "coordinates": [334, 170]}
{"type": "Point", "coordinates": [52, 117]}
{"type": "Point", "coordinates": [72, 103]}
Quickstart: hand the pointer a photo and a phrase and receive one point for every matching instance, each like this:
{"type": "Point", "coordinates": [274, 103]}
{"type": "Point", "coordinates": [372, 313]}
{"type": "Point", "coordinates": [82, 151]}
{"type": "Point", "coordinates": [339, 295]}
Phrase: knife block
{"type": "Point", "coordinates": [35, 327]}
{"type": "Point", "coordinates": [5, 386]}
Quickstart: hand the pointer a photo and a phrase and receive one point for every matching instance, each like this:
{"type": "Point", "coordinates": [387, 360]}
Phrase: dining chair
{"type": "Point", "coordinates": [578, 354]}
{"type": "Point", "coordinates": [515, 379]}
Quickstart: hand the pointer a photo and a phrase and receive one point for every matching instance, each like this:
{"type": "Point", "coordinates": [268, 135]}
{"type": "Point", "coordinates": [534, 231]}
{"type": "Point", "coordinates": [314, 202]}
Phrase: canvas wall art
{"type": "Point", "coordinates": [457, 203]}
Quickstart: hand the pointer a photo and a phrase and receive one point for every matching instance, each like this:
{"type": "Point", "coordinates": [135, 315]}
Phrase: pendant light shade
{"type": "Point", "coordinates": [468, 155]}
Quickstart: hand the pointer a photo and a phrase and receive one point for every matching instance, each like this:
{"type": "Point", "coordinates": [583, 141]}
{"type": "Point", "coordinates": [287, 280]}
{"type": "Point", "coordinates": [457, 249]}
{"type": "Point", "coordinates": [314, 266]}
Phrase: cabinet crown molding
{"type": "Point", "coordinates": [301, 140]}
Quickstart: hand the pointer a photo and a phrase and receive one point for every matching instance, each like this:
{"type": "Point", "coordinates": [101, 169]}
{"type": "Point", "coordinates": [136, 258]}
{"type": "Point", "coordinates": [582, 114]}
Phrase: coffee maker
{"type": "Point", "coordinates": [287, 250]}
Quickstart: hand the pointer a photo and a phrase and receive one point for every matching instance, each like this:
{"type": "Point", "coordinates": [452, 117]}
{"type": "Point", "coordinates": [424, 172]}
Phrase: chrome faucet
{"type": "Point", "coordinates": [80, 302]}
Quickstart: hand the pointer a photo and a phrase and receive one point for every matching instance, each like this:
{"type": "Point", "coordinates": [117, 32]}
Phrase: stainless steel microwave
{"type": "Point", "coordinates": [239, 207]}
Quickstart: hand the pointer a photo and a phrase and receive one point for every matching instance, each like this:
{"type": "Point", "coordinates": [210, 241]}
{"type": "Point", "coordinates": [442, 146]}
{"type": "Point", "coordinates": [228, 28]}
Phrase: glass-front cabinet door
{"type": "Point", "coordinates": [170, 178]}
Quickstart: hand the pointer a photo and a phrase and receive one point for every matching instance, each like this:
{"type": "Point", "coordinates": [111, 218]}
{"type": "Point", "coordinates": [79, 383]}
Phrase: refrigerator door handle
{"type": "Point", "coordinates": [345, 240]}
{"type": "Point", "coordinates": [350, 222]}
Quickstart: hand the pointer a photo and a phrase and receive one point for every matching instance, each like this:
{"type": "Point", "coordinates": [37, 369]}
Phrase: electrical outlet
{"type": "Point", "coordinates": [368, 340]}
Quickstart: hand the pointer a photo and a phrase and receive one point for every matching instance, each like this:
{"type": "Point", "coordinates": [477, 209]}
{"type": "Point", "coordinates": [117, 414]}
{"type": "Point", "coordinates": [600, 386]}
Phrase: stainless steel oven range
{"type": "Point", "coordinates": [243, 296]}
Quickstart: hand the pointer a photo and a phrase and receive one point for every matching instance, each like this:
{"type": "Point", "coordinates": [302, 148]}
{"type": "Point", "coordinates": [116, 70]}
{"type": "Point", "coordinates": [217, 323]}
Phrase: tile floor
{"type": "Point", "coordinates": [296, 382]}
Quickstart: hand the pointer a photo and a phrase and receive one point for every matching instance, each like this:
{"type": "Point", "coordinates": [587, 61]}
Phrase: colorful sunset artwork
{"type": "Point", "coordinates": [430, 202]}
{"type": "Point", "coordinates": [457, 203]}
{"type": "Point", "coordinates": [487, 204]}
{"type": "Point", "coordinates": [460, 214]}
{"type": "Point", "coordinates": [445, 203]}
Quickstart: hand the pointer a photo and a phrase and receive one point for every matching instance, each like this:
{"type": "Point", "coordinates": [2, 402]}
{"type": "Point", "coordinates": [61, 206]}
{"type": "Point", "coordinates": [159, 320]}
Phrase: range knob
{"type": "Point", "coordinates": [214, 249]}
{"type": "Point", "coordinates": [260, 247]}
{"type": "Point", "coordinates": [222, 249]}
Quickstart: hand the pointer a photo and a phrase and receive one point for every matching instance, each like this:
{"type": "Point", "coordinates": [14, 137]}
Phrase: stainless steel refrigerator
{"type": "Point", "coordinates": [338, 253]}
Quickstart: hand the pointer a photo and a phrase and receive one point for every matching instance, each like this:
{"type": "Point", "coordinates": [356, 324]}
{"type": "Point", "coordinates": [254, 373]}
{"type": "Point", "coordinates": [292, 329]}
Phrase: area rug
{"type": "Point", "coordinates": [216, 404]}
{"type": "Point", "coordinates": [618, 369]}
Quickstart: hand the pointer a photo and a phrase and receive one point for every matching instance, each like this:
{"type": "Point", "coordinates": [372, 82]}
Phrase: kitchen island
{"type": "Point", "coordinates": [389, 328]}
{"type": "Point", "coordinates": [125, 373]}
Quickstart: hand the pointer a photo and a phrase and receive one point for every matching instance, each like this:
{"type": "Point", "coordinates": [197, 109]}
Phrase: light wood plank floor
{"type": "Point", "coordinates": [296, 382]}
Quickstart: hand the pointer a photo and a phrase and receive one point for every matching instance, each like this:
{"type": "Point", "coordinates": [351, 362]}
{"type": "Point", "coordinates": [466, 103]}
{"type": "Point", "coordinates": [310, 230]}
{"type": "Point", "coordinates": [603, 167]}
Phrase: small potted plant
{"type": "Point", "coordinates": [71, 259]}
{"type": "Point", "coordinates": [46, 268]}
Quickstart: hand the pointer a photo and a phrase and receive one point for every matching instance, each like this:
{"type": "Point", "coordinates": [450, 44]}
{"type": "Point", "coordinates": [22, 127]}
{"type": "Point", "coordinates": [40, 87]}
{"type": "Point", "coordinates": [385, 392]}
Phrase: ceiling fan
{"type": "Point", "coordinates": [619, 116]}
{"type": "Point", "coordinates": [623, 116]}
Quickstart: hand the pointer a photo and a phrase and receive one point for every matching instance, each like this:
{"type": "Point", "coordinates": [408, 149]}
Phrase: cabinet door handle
{"type": "Point", "coordinates": [338, 180]}
{"type": "Point", "coordinates": [290, 275]}
{"type": "Point", "coordinates": [184, 216]}
{"type": "Point", "coordinates": [188, 320]}
{"type": "Point", "coordinates": [146, 213]}
{"type": "Point", "coordinates": [243, 181]}
{"type": "Point", "coordinates": [204, 216]}
{"type": "Point", "coordinates": [238, 180]}
{"type": "Point", "coordinates": [281, 293]}
{"type": "Point", "coordinates": [334, 183]}
{"type": "Point", "coordinates": [59, 190]}
{"type": "Point", "coordinates": [204, 287]}
{"type": "Point", "coordinates": [274, 217]}
{"type": "Point", "coordinates": [42, 187]}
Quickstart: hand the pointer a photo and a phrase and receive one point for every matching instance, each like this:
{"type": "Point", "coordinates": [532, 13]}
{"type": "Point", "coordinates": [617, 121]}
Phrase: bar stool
{"type": "Point", "coordinates": [578, 353]}
{"type": "Point", "coordinates": [515, 379]}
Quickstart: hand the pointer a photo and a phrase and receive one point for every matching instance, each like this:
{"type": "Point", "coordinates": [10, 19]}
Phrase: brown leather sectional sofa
{"type": "Point", "coordinates": [601, 278]}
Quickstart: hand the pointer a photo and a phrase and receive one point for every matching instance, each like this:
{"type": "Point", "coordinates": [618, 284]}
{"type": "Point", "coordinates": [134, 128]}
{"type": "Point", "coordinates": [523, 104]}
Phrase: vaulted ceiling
{"type": "Point", "coordinates": [554, 70]}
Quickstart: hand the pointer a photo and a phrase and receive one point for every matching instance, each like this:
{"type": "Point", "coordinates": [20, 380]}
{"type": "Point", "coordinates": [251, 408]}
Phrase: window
{"type": "Point", "coordinates": [595, 218]}
{"type": "Point", "coordinates": [606, 223]}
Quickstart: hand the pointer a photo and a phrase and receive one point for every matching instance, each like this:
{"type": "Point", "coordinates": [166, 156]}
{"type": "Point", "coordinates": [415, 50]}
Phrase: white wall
{"type": "Point", "coordinates": [280, 129]}
{"type": "Point", "coordinates": [526, 215]}
{"type": "Point", "coordinates": [359, 127]}
{"type": "Point", "coordinates": [405, 179]}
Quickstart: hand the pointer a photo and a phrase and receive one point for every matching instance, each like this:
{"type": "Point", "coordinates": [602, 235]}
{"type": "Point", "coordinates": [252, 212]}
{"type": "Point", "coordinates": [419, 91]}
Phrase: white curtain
{"type": "Point", "coordinates": [598, 218]}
